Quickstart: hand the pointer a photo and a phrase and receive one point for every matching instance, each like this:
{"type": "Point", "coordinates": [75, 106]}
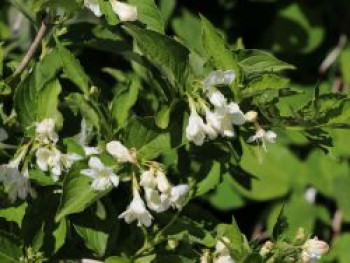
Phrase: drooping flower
{"type": "Point", "coordinates": [120, 152]}
{"type": "Point", "coordinates": [237, 116]}
{"type": "Point", "coordinates": [137, 211]}
{"type": "Point", "coordinates": [124, 11]}
{"type": "Point", "coordinates": [17, 184]}
{"type": "Point", "coordinates": [195, 130]}
{"type": "Point", "coordinates": [45, 131]}
{"type": "Point", "coordinates": [226, 128]}
{"type": "Point", "coordinates": [94, 6]}
{"type": "Point", "coordinates": [313, 250]}
{"type": "Point", "coordinates": [263, 136]}
{"type": "Point", "coordinates": [216, 98]}
{"type": "Point", "coordinates": [103, 176]}
{"type": "Point", "coordinates": [222, 251]}
{"type": "Point", "coordinates": [148, 179]}
{"type": "Point", "coordinates": [178, 195]}
{"type": "Point", "coordinates": [49, 160]}
{"type": "Point", "coordinates": [156, 201]}
{"type": "Point", "coordinates": [162, 182]}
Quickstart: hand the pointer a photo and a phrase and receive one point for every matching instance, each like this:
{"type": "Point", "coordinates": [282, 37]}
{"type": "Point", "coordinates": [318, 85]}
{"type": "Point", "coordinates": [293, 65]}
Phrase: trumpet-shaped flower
{"type": "Point", "coordinates": [263, 136]}
{"type": "Point", "coordinates": [162, 182]}
{"type": "Point", "coordinates": [178, 195]}
{"type": "Point", "coordinates": [237, 116]}
{"type": "Point", "coordinates": [120, 152]}
{"type": "Point", "coordinates": [49, 160]}
{"type": "Point", "coordinates": [313, 250]}
{"type": "Point", "coordinates": [156, 201]}
{"type": "Point", "coordinates": [45, 131]}
{"type": "Point", "coordinates": [216, 98]}
{"type": "Point", "coordinates": [103, 176]}
{"type": "Point", "coordinates": [137, 211]}
{"type": "Point", "coordinates": [148, 179]}
{"type": "Point", "coordinates": [195, 130]}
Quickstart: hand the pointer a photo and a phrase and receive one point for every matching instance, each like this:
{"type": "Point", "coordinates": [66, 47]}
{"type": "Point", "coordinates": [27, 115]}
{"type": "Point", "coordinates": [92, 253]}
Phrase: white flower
{"type": "Point", "coordinates": [216, 98]}
{"type": "Point", "coordinates": [103, 176]}
{"type": "Point", "coordinates": [195, 130]}
{"type": "Point", "coordinates": [251, 116]}
{"type": "Point", "coordinates": [68, 159]}
{"type": "Point", "coordinates": [93, 6]}
{"type": "Point", "coordinates": [17, 184]}
{"type": "Point", "coordinates": [156, 201]}
{"type": "Point", "coordinates": [237, 116]}
{"type": "Point", "coordinates": [120, 152]}
{"type": "Point", "coordinates": [219, 77]}
{"type": "Point", "coordinates": [162, 182]}
{"type": "Point", "coordinates": [213, 124]}
{"type": "Point", "coordinates": [49, 160]}
{"type": "Point", "coordinates": [263, 136]}
{"type": "Point", "coordinates": [125, 11]}
{"type": "Point", "coordinates": [222, 251]}
{"type": "Point", "coordinates": [45, 131]}
{"type": "Point", "coordinates": [226, 126]}
{"type": "Point", "coordinates": [178, 195]}
{"type": "Point", "coordinates": [137, 211]}
{"type": "Point", "coordinates": [148, 180]}
{"type": "Point", "coordinates": [313, 250]}
{"type": "Point", "coordinates": [91, 150]}
{"type": "Point", "coordinates": [3, 135]}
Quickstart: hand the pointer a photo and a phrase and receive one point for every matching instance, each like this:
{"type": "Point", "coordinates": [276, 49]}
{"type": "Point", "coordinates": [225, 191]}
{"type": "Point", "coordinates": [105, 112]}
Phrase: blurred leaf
{"type": "Point", "coordinates": [211, 180]}
{"type": "Point", "coordinates": [14, 214]}
{"type": "Point", "coordinates": [167, 8]}
{"type": "Point", "coordinates": [107, 11]}
{"type": "Point", "coordinates": [345, 65]}
{"type": "Point", "coordinates": [10, 250]}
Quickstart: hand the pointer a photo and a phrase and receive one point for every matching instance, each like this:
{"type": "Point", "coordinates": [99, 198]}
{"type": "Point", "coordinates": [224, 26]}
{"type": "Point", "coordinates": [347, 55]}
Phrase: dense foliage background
{"type": "Point", "coordinates": [306, 171]}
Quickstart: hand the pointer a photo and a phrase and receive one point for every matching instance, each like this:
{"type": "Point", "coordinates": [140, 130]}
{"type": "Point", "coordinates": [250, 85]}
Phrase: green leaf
{"type": "Point", "coordinates": [342, 195]}
{"type": "Point", "coordinates": [149, 14]}
{"type": "Point", "coordinates": [1, 60]}
{"type": "Point", "coordinates": [257, 61]}
{"type": "Point", "coordinates": [163, 117]}
{"type": "Point", "coordinates": [32, 105]}
{"type": "Point", "coordinates": [77, 195]}
{"type": "Point", "coordinates": [94, 239]}
{"type": "Point", "coordinates": [169, 56]}
{"type": "Point", "coordinates": [10, 250]}
{"type": "Point", "coordinates": [216, 49]}
{"type": "Point", "coordinates": [107, 11]}
{"type": "Point", "coordinates": [59, 235]}
{"type": "Point", "coordinates": [211, 180]}
{"type": "Point", "coordinates": [167, 8]}
{"type": "Point", "coordinates": [73, 69]}
{"type": "Point", "coordinates": [280, 226]}
{"type": "Point", "coordinates": [14, 214]}
{"type": "Point", "coordinates": [124, 101]}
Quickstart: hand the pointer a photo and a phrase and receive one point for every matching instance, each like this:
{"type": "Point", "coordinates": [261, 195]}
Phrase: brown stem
{"type": "Point", "coordinates": [337, 224]}
{"type": "Point", "coordinates": [33, 47]}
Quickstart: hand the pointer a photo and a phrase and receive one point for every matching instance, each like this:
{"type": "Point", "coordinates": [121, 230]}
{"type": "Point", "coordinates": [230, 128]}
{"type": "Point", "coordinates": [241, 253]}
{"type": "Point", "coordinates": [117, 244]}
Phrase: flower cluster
{"type": "Point", "coordinates": [221, 115]}
{"type": "Point", "coordinates": [48, 157]}
{"type": "Point", "coordinates": [313, 249]}
{"type": "Point", "coordinates": [159, 193]}
{"type": "Point", "coordinates": [124, 11]}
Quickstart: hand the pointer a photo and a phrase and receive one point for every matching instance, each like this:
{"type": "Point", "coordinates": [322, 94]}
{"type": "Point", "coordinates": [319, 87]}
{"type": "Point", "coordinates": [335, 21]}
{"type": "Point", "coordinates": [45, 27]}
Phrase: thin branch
{"type": "Point", "coordinates": [33, 47]}
{"type": "Point", "coordinates": [333, 55]}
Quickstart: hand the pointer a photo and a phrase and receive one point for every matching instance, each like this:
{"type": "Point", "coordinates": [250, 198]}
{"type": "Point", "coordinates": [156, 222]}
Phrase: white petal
{"type": "Point", "coordinates": [100, 184]}
{"type": "Point", "coordinates": [90, 173]}
{"type": "Point", "coordinates": [216, 98]}
{"type": "Point", "coordinates": [229, 76]}
{"type": "Point", "coordinates": [125, 11]}
{"type": "Point", "coordinates": [93, 6]}
{"type": "Point", "coordinates": [162, 182]}
{"type": "Point", "coordinates": [119, 151]}
{"type": "Point", "coordinates": [270, 136]}
{"type": "Point", "coordinates": [148, 179]}
{"type": "Point", "coordinates": [91, 150]}
{"type": "Point", "coordinates": [95, 163]}
{"type": "Point", "coordinates": [114, 180]}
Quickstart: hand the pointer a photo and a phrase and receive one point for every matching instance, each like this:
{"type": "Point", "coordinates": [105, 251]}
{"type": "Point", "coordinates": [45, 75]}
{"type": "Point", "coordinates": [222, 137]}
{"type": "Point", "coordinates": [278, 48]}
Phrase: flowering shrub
{"type": "Point", "coordinates": [108, 161]}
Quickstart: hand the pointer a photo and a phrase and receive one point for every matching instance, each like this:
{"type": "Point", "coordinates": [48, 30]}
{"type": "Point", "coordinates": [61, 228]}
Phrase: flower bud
{"type": "Point", "coordinates": [251, 116]}
{"type": "Point", "coordinates": [314, 249]}
{"type": "Point", "coordinates": [266, 248]}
